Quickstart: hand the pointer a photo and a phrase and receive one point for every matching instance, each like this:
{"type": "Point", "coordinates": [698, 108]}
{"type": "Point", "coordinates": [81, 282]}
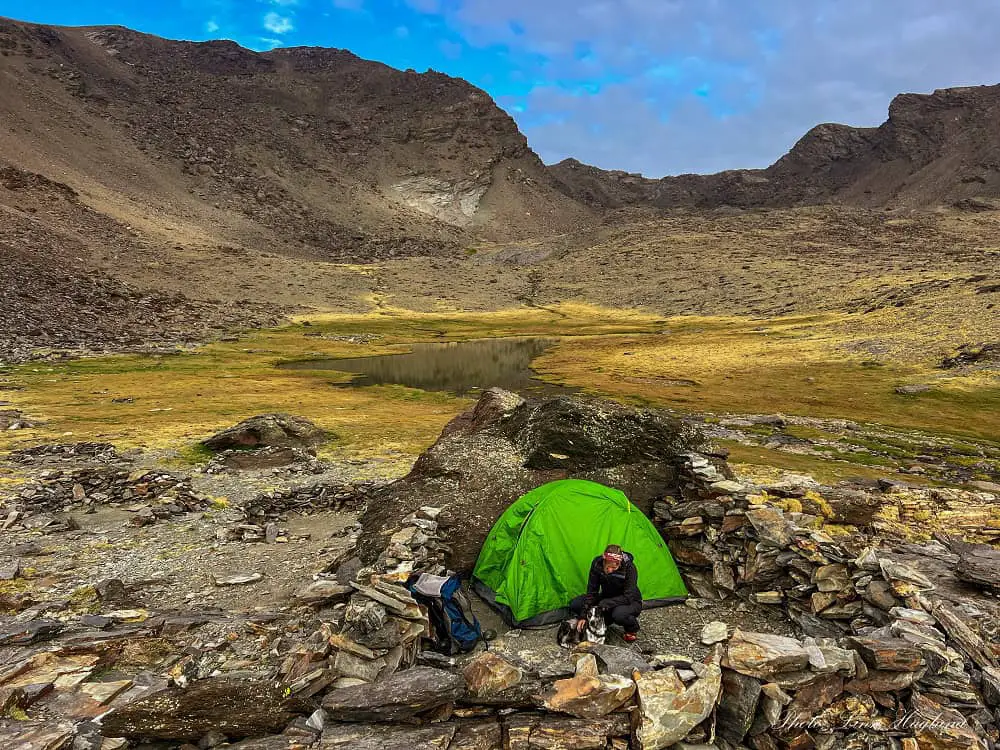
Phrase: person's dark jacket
{"type": "Point", "coordinates": [610, 590]}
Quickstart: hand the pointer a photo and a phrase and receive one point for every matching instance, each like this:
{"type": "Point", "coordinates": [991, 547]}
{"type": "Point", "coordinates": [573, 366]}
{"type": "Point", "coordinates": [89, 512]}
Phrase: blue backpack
{"type": "Point", "coordinates": [455, 627]}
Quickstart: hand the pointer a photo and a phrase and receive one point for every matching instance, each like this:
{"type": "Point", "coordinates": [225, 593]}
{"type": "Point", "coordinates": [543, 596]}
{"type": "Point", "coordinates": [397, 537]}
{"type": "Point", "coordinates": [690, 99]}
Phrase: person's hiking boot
{"type": "Point", "coordinates": [630, 637]}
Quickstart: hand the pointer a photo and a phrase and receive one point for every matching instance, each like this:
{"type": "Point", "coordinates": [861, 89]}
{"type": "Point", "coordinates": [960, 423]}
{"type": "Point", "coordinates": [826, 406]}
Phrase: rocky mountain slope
{"type": "Point", "coordinates": [154, 190]}
{"type": "Point", "coordinates": [140, 160]}
{"type": "Point", "coordinates": [315, 150]}
{"type": "Point", "coordinates": [936, 149]}
{"type": "Point", "coordinates": [50, 295]}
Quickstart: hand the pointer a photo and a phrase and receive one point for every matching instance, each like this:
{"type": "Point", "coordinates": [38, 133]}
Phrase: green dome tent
{"type": "Point", "coordinates": [538, 554]}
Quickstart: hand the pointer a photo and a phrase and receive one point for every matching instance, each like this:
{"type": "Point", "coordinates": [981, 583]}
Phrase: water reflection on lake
{"type": "Point", "coordinates": [459, 367]}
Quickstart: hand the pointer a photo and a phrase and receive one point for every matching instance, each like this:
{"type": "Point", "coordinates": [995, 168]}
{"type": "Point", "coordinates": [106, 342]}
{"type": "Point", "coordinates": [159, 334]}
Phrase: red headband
{"type": "Point", "coordinates": [614, 556]}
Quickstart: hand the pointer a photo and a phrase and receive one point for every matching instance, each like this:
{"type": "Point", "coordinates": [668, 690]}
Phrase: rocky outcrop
{"type": "Point", "coordinates": [488, 457]}
{"type": "Point", "coordinates": [268, 431]}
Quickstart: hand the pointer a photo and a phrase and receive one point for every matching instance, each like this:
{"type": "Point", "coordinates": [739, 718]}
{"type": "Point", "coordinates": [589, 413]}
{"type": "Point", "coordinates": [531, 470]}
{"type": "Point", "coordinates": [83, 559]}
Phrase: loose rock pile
{"type": "Point", "coordinates": [287, 459]}
{"type": "Point", "coordinates": [274, 505]}
{"type": "Point", "coordinates": [151, 494]}
{"type": "Point", "coordinates": [380, 626]}
{"type": "Point", "coordinates": [56, 453]}
{"type": "Point", "coordinates": [881, 644]}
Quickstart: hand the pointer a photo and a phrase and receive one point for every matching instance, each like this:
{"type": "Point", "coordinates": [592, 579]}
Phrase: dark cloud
{"type": "Point", "coordinates": [665, 87]}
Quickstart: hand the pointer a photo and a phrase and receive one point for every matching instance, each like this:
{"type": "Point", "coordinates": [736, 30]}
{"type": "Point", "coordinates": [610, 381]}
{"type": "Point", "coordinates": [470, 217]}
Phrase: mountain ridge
{"type": "Point", "coordinates": [155, 190]}
{"type": "Point", "coordinates": [934, 149]}
{"type": "Point", "coordinates": [336, 152]}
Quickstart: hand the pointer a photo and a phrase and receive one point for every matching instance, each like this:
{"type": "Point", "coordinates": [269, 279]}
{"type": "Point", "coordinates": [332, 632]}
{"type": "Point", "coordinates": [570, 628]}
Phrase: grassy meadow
{"type": "Point", "coordinates": [798, 365]}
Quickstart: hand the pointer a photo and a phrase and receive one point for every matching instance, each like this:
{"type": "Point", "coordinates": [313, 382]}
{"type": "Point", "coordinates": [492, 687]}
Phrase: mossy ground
{"type": "Point", "coordinates": [803, 365]}
{"type": "Point", "coordinates": [174, 400]}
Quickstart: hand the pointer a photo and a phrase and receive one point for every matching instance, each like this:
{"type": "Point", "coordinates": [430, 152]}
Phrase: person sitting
{"type": "Point", "coordinates": [612, 586]}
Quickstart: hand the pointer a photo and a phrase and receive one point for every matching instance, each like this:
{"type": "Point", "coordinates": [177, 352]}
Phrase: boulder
{"type": "Point", "coordinates": [588, 694]}
{"type": "Point", "coordinates": [669, 710]}
{"type": "Point", "coordinates": [979, 564]}
{"type": "Point", "coordinates": [268, 430]}
{"type": "Point", "coordinates": [572, 433]}
{"type": "Point", "coordinates": [236, 708]}
{"type": "Point", "coordinates": [488, 457]}
{"type": "Point", "coordinates": [401, 697]}
{"type": "Point", "coordinates": [764, 655]}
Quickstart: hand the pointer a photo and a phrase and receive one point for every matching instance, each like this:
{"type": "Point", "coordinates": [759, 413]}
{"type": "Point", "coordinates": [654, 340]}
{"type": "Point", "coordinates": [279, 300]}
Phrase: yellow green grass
{"type": "Point", "coordinates": [797, 365]}
{"type": "Point", "coordinates": [767, 464]}
{"type": "Point", "coordinates": [181, 398]}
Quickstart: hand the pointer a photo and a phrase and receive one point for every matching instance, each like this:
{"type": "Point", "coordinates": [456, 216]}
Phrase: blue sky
{"type": "Point", "coordinates": [652, 86]}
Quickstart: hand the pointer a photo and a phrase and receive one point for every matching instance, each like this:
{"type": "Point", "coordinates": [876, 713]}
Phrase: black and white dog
{"type": "Point", "coordinates": [595, 630]}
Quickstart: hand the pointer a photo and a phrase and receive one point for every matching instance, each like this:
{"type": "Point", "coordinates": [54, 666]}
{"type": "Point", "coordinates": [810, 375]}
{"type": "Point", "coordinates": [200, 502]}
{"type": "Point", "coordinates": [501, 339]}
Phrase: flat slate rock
{"type": "Point", "coordinates": [48, 737]}
{"type": "Point", "coordinates": [616, 660]}
{"type": "Point", "coordinates": [979, 564]}
{"type": "Point", "coordinates": [30, 632]}
{"type": "Point", "coordinates": [236, 708]}
{"type": "Point", "coordinates": [401, 697]}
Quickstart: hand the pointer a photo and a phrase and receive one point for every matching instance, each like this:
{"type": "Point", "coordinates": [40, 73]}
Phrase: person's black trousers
{"type": "Point", "coordinates": [626, 615]}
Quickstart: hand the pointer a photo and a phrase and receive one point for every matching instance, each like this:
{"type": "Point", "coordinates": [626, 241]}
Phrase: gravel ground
{"type": "Point", "coordinates": [173, 564]}
{"type": "Point", "coordinates": [672, 629]}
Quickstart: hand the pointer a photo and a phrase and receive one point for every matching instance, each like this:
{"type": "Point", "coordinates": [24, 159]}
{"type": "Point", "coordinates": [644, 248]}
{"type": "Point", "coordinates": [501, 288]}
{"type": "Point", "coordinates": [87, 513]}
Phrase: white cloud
{"type": "Point", "coordinates": [666, 86]}
{"type": "Point", "coordinates": [211, 26]}
{"type": "Point", "coordinates": [267, 43]}
{"type": "Point", "coordinates": [278, 24]}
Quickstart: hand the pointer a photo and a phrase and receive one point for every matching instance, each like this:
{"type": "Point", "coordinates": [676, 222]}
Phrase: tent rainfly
{"type": "Point", "coordinates": [538, 554]}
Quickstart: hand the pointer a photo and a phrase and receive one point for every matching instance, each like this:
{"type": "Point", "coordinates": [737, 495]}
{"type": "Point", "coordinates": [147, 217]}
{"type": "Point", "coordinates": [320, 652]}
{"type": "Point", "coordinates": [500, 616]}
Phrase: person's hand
{"type": "Point", "coordinates": [580, 624]}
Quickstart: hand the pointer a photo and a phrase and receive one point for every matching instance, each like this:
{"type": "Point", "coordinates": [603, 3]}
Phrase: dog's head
{"type": "Point", "coordinates": [595, 621]}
